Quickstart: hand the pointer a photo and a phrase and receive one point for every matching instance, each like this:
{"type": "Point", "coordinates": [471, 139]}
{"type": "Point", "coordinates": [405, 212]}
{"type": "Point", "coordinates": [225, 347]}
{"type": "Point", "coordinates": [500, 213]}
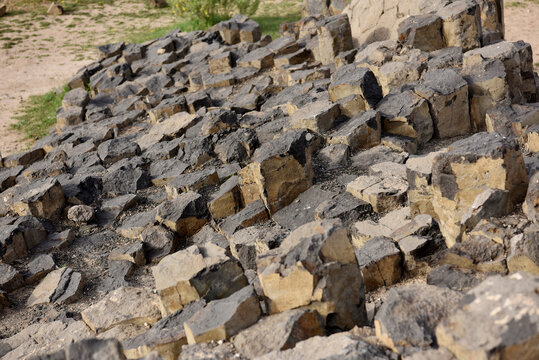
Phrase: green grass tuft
{"type": "Point", "coordinates": [38, 114]}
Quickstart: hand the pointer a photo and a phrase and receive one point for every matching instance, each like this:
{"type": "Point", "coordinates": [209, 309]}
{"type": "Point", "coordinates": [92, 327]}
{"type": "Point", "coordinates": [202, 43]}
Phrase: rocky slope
{"type": "Point", "coordinates": [221, 195]}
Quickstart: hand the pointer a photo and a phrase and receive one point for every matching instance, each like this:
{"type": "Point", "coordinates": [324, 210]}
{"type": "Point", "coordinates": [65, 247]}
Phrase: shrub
{"type": "Point", "coordinates": [206, 13]}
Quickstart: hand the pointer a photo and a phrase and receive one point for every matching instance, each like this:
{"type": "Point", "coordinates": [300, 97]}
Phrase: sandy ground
{"type": "Point", "coordinates": [54, 48]}
{"type": "Point", "coordinates": [49, 55]}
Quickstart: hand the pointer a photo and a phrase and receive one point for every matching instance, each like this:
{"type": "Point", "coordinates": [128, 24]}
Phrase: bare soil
{"type": "Point", "coordinates": [51, 49]}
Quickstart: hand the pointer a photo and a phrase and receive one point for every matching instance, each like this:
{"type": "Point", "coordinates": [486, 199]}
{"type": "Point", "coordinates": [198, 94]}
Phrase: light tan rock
{"type": "Point", "coordinates": [483, 326]}
{"type": "Point", "coordinates": [361, 132]}
{"type": "Point", "coordinates": [381, 263]}
{"type": "Point", "coordinates": [61, 286]}
{"type": "Point", "coordinates": [407, 114]}
{"type": "Point", "coordinates": [469, 167]}
{"type": "Point", "coordinates": [447, 93]}
{"type": "Point", "coordinates": [280, 170]}
{"type": "Point", "coordinates": [334, 36]}
{"type": "Point", "coordinates": [125, 305]}
{"type": "Point", "coordinates": [188, 275]}
{"type": "Point", "coordinates": [315, 268]}
{"type": "Point", "coordinates": [461, 24]}
{"type": "Point", "coordinates": [383, 193]}
{"type": "Point", "coordinates": [221, 319]}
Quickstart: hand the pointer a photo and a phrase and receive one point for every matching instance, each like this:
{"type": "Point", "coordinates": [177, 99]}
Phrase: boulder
{"type": "Point", "coordinates": [462, 24]}
{"type": "Point", "coordinates": [166, 337]}
{"type": "Point", "coordinates": [221, 319]}
{"type": "Point", "coordinates": [125, 305]}
{"type": "Point", "coordinates": [406, 114]}
{"type": "Point", "coordinates": [315, 268]}
{"type": "Point", "coordinates": [337, 346]}
{"type": "Point", "coordinates": [531, 202]}
{"type": "Point", "coordinates": [360, 132]}
{"type": "Point", "coordinates": [334, 37]}
{"type": "Point", "coordinates": [381, 263]}
{"type": "Point", "coordinates": [10, 278]}
{"type": "Point", "coordinates": [469, 167]}
{"type": "Point", "coordinates": [383, 193]}
{"type": "Point", "coordinates": [185, 214]}
{"type": "Point", "coordinates": [61, 286]}
{"type": "Point", "coordinates": [191, 274]}
{"type": "Point", "coordinates": [280, 170]}
{"type": "Point", "coordinates": [407, 320]}
{"type": "Point", "coordinates": [422, 32]}
{"type": "Point", "coordinates": [482, 327]}
{"type": "Point", "coordinates": [319, 116]}
{"type": "Point", "coordinates": [352, 80]}
{"type": "Point", "coordinates": [278, 332]}
{"type": "Point", "coordinates": [447, 94]}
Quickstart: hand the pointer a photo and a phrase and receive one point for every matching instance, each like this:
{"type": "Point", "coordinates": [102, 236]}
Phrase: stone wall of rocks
{"type": "Point", "coordinates": [219, 194]}
{"type": "Point", "coordinates": [376, 20]}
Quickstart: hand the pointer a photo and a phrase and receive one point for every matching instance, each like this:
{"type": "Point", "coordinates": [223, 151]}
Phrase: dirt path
{"type": "Point", "coordinates": [40, 53]}
{"type": "Point", "coordinates": [521, 23]}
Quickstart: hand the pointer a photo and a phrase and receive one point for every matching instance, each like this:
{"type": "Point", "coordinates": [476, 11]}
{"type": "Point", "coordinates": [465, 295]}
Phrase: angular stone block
{"type": "Point", "coordinates": [280, 170]}
{"type": "Point", "coordinates": [422, 32]}
{"type": "Point", "coordinates": [461, 24]}
{"type": "Point", "coordinates": [406, 114]}
{"type": "Point", "coordinates": [361, 132]}
{"type": "Point", "coordinates": [483, 326]}
{"type": "Point", "coordinates": [407, 320]}
{"type": "Point", "coordinates": [447, 93]}
{"type": "Point", "coordinates": [125, 305]}
{"type": "Point", "coordinates": [383, 193]}
{"type": "Point", "coordinates": [469, 167]}
{"type": "Point", "coordinates": [61, 286]}
{"type": "Point", "coordinates": [278, 332]}
{"type": "Point", "coordinates": [381, 263]}
{"type": "Point", "coordinates": [185, 215]}
{"type": "Point", "coordinates": [352, 80]}
{"type": "Point", "coordinates": [319, 116]}
{"type": "Point", "coordinates": [190, 274]}
{"type": "Point", "coordinates": [315, 268]}
{"type": "Point", "coordinates": [221, 319]}
{"type": "Point", "coordinates": [334, 37]}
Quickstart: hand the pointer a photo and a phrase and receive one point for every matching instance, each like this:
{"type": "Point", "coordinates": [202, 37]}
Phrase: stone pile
{"type": "Point", "coordinates": [219, 194]}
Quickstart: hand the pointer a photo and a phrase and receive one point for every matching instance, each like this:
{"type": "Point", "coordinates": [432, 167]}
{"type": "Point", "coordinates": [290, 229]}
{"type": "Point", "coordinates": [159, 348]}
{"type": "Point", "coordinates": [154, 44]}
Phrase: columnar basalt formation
{"type": "Point", "coordinates": [347, 191]}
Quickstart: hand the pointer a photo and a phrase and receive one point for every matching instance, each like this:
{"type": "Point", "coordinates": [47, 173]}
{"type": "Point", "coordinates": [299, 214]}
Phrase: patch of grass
{"type": "Point", "coordinates": [515, 4]}
{"type": "Point", "coordinates": [270, 24]}
{"type": "Point", "coordinates": [38, 114]}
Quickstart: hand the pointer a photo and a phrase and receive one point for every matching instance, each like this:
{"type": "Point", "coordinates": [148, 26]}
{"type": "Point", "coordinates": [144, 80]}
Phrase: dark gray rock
{"type": "Point", "coordinates": [10, 278]}
{"type": "Point", "coordinates": [158, 242]}
{"type": "Point", "coordinates": [407, 319]}
{"type": "Point", "coordinates": [114, 150]}
{"type": "Point", "coordinates": [454, 278]}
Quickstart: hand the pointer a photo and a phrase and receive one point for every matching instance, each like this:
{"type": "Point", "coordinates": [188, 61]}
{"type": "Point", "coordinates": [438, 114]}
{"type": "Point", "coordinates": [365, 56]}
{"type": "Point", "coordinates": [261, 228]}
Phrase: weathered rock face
{"type": "Point", "coordinates": [190, 274]}
{"type": "Point", "coordinates": [471, 166]}
{"type": "Point", "coordinates": [278, 332]}
{"type": "Point", "coordinates": [221, 319]}
{"type": "Point", "coordinates": [468, 24]}
{"type": "Point", "coordinates": [315, 263]}
{"type": "Point", "coordinates": [408, 318]}
{"type": "Point", "coordinates": [337, 346]}
{"type": "Point", "coordinates": [280, 171]}
{"type": "Point", "coordinates": [496, 338]}
{"type": "Point", "coordinates": [126, 305]}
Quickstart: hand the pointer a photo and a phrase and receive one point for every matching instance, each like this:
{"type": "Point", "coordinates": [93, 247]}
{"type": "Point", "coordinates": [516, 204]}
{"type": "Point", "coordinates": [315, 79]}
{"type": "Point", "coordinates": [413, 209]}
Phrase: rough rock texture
{"type": "Point", "coordinates": [314, 264]}
{"type": "Point", "coordinates": [408, 318]}
{"type": "Point", "coordinates": [228, 195]}
{"type": "Point", "coordinates": [471, 166]}
{"type": "Point", "coordinates": [498, 336]}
